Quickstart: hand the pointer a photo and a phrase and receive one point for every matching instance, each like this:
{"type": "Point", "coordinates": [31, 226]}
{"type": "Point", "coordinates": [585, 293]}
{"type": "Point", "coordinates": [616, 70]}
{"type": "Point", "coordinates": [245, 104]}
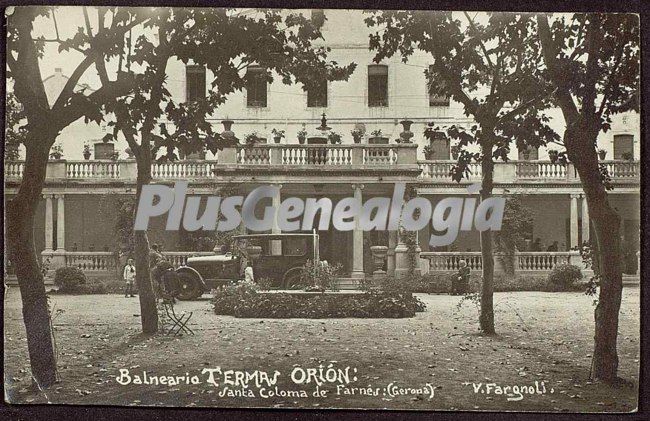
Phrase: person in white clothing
{"type": "Point", "coordinates": [129, 278]}
{"type": "Point", "coordinates": [248, 272]}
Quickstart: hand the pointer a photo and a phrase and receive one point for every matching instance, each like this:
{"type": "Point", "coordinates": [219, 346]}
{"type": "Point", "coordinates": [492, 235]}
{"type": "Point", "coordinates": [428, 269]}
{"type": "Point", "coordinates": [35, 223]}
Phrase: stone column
{"type": "Point", "coordinates": [573, 224]}
{"type": "Point", "coordinates": [357, 239]}
{"type": "Point", "coordinates": [60, 223]}
{"type": "Point", "coordinates": [392, 243]}
{"type": "Point", "coordinates": [585, 220]}
{"type": "Point", "coordinates": [276, 245]}
{"type": "Point", "coordinates": [49, 223]}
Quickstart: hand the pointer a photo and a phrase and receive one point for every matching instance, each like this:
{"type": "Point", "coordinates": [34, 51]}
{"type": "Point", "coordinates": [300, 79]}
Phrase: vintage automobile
{"type": "Point", "coordinates": [281, 259]}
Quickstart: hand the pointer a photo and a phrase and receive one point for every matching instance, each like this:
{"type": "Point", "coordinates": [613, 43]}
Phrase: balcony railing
{"type": "Point", "coordinates": [92, 169]}
{"type": "Point", "coordinates": [322, 155]}
{"type": "Point", "coordinates": [440, 170]}
{"type": "Point", "coordinates": [528, 171]}
{"type": "Point", "coordinates": [355, 156]}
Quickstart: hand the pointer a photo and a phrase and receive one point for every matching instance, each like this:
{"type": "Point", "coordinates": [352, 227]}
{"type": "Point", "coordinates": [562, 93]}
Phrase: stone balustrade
{"type": "Point", "coordinates": [515, 171]}
{"type": "Point", "coordinates": [105, 261]}
{"type": "Point", "coordinates": [93, 261]}
{"type": "Point", "coordinates": [450, 261]}
{"type": "Point", "coordinates": [355, 156]}
{"type": "Point", "coordinates": [543, 261]}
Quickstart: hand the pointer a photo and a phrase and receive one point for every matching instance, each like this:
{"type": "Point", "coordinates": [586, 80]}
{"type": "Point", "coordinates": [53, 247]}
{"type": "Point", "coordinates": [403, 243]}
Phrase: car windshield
{"type": "Point", "coordinates": [290, 246]}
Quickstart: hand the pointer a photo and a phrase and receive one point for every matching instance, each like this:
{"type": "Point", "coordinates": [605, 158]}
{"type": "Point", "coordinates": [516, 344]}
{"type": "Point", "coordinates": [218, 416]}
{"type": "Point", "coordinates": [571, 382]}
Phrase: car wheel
{"type": "Point", "coordinates": [189, 287]}
{"type": "Point", "coordinates": [292, 280]}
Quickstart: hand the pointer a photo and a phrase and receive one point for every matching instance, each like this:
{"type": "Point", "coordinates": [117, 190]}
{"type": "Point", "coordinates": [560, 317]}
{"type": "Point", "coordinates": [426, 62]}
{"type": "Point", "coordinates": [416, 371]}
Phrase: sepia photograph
{"type": "Point", "coordinates": [322, 209]}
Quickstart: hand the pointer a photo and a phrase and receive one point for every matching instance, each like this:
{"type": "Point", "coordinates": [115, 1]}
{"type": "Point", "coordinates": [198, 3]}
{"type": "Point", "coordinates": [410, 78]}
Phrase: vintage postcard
{"type": "Point", "coordinates": [294, 208]}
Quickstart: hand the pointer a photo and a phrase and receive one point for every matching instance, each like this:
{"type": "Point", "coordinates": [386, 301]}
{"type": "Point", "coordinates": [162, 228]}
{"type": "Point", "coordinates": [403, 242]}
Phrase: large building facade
{"type": "Point", "coordinates": [76, 219]}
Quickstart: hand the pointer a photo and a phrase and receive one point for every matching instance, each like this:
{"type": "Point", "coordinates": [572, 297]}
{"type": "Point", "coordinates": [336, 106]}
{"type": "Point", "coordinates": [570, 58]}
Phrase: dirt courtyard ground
{"type": "Point", "coordinates": [436, 360]}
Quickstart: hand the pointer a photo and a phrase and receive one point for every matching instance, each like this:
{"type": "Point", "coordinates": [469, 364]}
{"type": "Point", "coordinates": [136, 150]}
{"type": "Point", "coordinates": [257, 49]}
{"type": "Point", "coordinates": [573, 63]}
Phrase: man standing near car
{"type": "Point", "coordinates": [248, 272]}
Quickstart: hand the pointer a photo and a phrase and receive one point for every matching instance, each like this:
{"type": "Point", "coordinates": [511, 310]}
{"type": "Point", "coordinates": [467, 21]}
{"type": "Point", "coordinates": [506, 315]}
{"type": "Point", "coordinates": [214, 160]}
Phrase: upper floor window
{"type": "Point", "coordinates": [318, 17]}
{"type": "Point", "coordinates": [433, 88]}
{"type": "Point", "coordinates": [256, 95]}
{"type": "Point", "coordinates": [195, 87]}
{"type": "Point", "coordinates": [317, 94]}
{"type": "Point", "coordinates": [624, 146]}
{"type": "Point", "coordinates": [377, 85]}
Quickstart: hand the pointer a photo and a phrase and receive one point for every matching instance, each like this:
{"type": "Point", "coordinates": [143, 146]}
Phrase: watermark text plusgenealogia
{"type": "Point", "coordinates": [447, 218]}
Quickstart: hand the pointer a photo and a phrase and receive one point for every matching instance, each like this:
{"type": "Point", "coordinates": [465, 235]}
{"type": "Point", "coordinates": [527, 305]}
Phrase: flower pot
{"type": "Point", "coordinates": [228, 135]}
{"type": "Point", "coordinates": [553, 156]}
{"type": "Point", "coordinates": [277, 139]}
{"type": "Point", "coordinates": [378, 257]}
{"type": "Point", "coordinates": [407, 134]}
{"type": "Point", "coordinates": [378, 140]}
{"type": "Point", "coordinates": [87, 155]}
{"type": "Point", "coordinates": [406, 124]}
{"type": "Point", "coordinates": [357, 139]}
{"type": "Point", "coordinates": [301, 140]}
{"type": "Point", "coordinates": [455, 154]}
{"type": "Point", "coordinates": [602, 155]}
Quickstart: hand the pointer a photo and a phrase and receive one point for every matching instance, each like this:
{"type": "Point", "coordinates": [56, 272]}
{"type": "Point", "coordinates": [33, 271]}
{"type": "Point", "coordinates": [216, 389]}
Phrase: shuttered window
{"type": "Point", "coordinates": [256, 87]}
{"type": "Point", "coordinates": [433, 85]}
{"type": "Point", "coordinates": [317, 94]}
{"type": "Point", "coordinates": [195, 87]}
{"type": "Point", "coordinates": [623, 146]}
{"type": "Point", "coordinates": [378, 86]}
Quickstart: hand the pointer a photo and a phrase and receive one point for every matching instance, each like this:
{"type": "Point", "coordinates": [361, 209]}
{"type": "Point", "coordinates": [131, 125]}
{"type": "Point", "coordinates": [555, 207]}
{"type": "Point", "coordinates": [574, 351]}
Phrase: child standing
{"type": "Point", "coordinates": [129, 278]}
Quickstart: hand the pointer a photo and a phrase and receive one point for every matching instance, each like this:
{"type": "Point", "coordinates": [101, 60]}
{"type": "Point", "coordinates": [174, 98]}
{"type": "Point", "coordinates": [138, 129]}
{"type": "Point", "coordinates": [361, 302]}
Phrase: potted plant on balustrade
{"type": "Point", "coordinates": [553, 156]}
{"type": "Point", "coordinates": [429, 152]}
{"type": "Point", "coordinates": [357, 135]}
{"type": "Point", "coordinates": [251, 140]}
{"type": "Point", "coordinates": [627, 156]}
{"type": "Point", "coordinates": [602, 154]}
{"type": "Point", "coordinates": [377, 138]}
{"type": "Point", "coordinates": [302, 136]}
{"type": "Point", "coordinates": [278, 135]}
{"type": "Point", "coordinates": [129, 153]}
{"type": "Point", "coordinates": [86, 152]}
{"type": "Point", "coordinates": [115, 156]}
{"type": "Point", "coordinates": [334, 138]}
{"type": "Point", "coordinates": [56, 152]}
{"type": "Point", "coordinates": [455, 152]}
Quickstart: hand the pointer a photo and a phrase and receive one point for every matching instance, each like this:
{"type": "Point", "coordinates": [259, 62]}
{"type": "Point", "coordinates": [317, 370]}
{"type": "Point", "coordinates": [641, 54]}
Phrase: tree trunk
{"type": "Point", "coordinates": [148, 308]}
{"type": "Point", "coordinates": [20, 242]}
{"type": "Point", "coordinates": [607, 225]}
{"type": "Point", "coordinates": [486, 319]}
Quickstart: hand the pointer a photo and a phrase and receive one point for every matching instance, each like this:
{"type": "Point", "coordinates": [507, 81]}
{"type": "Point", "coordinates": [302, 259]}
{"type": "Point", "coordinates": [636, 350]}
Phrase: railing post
{"type": "Point", "coordinates": [407, 154]}
{"type": "Point", "coordinates": [56, 169]}
{"type": "Point", "coordinates": [505, 172]}
{"type": "Point", "coordinates": [571, 173]}
{"type": "Point", "coordinates": [275, 154]}
{"type": "Point", "coordinates": [128, 169]}
{"type": "Point", "coordinates": [228, 156]}
{"type": "Point", "coordinates": [357, 154]}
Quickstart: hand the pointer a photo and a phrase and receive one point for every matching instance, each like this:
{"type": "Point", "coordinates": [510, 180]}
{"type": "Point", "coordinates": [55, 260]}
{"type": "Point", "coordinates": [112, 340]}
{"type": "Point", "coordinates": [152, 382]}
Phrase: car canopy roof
{"type": "Point", "coordinates": [273, 236]}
